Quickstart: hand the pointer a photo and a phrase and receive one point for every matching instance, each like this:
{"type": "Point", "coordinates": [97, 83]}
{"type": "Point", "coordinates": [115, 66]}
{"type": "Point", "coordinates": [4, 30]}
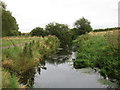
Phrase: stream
{"type": "Point", "coordinates": [59, 72]}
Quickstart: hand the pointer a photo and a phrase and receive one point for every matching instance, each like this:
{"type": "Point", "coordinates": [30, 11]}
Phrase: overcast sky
{"type": "Point", "coordinates": [33, 13]}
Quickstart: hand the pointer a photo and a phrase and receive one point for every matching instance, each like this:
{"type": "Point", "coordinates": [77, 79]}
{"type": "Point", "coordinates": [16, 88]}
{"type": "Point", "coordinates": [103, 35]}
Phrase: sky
{"type": "Point", "coordinates": [38, 13]}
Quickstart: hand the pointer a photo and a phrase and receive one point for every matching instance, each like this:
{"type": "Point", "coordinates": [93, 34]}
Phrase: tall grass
{"type": "Point", "coordinates": [8, 41]}
{"type": "Point", "coordinates": [100, 51]}
{"type": "Point", "coordinates": [21, 61]}
{"type": "Point", "coordinates": [9, 81]}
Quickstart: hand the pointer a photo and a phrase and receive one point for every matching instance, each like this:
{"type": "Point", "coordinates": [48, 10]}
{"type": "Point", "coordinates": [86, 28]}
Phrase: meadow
{"type": "Point", "coordinates": [11, 41]}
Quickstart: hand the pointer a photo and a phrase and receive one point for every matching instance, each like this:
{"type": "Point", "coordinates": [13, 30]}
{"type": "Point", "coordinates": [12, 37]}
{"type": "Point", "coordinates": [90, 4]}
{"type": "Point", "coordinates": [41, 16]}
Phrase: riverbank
{"type": "Point", "coordinates": [19, 62]}
{"type": "Point", "coordinates": [60, 73]}
{"type": "Point", "coordinates": [101, 51]}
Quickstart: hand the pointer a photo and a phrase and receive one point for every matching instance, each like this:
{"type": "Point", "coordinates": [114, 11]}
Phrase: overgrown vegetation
{"type": "Point", "coordinates": [11, 41]}
{"type": "Point", "coordinates": [94, 50]}
{"type": "Point", "coordinates": [21, 61]}
{"type": "Point", "coordinates": [101, 52]}
{"type": "Point", "coordinates": [9, 81]}
{"type": "Point", "coordinates": [63, 32]}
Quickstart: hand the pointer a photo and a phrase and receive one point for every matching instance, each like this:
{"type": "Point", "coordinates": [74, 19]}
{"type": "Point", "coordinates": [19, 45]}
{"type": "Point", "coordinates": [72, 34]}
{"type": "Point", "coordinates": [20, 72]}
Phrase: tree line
{"type": "Point", "coordinates": [61, 31]}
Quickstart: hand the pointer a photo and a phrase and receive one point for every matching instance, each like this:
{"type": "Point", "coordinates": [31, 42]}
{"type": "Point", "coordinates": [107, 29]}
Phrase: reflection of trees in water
{"type": "Point", "coordinates": [39, 70]}
{"type": "Point", "coordinates": [27, 78]}
{"type": "Point", "coordinates": [59, 58]}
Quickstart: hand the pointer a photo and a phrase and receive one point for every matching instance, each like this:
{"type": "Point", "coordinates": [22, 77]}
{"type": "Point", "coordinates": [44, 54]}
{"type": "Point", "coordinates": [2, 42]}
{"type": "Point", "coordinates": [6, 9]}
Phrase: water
{"type": "Point", "coordinates": [60, 73]}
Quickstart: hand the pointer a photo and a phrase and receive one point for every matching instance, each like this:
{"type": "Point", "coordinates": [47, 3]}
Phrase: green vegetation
{"type": "Point", "coordinates": [106, 29]}
{"type": "Point", "coordinates": [9, 24]}
{"type": "Point", "coordinates": [101, 52]}
{"type": "Point", "coordinates": [38, 32]}
{"type": "Point", "coordinates": [21, 61]}
{"type": "Point", "coordinates": [93, 49]}
{"type": "Point", "coordinates": [61, 31]}
{"type": "Point", "coordinates": [9, 81]}
{"type": "Point", "coordinates": [82, 26]}
{"type": "Point", "coordinates": [10, 41]}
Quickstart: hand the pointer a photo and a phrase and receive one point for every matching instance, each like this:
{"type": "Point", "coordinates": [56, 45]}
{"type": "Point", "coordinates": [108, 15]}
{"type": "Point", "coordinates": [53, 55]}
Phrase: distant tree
{"type": "Point", "coordinates": [83, 26]}
{"type": "Point", "coordinates": [74, 33]}
{"type": "Point", "coordinates": [61, 31]}
{"type": "Point", "coordinates": [38, 32]}
{"type": "Point", "coordinates": [55, 28]}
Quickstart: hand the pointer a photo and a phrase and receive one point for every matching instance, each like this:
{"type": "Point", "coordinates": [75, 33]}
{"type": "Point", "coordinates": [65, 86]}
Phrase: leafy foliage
{"type": "Point", "coordinates": [83, 26]}
{"type": "Point", "coordinates": [61, 31]}
{"type": "Point", "coordinates": [9, 24]}
{"type": "Point", "coordinates": [38, 32]}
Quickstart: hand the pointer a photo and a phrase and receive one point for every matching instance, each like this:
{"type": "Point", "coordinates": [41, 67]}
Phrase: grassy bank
{"type": "Point", "coordinates": [101, 51]}
{"type": "Point", "coordinates": [21, 61]}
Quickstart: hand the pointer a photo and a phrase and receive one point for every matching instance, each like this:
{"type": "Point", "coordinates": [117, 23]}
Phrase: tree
{"type": "Point", "coordinates": [38, 32]}
{"type": "Point", "coordinates": [83, 26]}
{"type": "Point", "coordinates": [56, 28]}
{"type": "Point", "coordinates": [9, 24]}
{"type": "Point", "coordinates": [3, 5]}
{"type": "Point", "coordinates": [74, 33]}
{"type": "Point", "coordinates": [61, 31]}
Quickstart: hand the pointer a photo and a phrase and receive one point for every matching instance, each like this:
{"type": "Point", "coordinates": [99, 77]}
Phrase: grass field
{"type": "Point", "coordinates": [102, 33]}
{"type": "Point", "coordinates": [9, 41]}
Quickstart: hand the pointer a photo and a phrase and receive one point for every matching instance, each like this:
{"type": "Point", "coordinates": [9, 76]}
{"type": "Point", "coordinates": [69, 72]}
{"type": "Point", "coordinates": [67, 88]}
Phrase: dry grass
{"type": "Point", "coordinates": [102, 33]}
{"type": "Point", "coordinates": [12, 38]}
{"type": "Point", "coordinates": [7, 64]}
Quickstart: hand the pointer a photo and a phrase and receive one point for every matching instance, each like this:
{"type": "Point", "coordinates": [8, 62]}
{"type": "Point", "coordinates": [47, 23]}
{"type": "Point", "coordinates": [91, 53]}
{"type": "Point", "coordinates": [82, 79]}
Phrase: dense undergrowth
{"type": "Point", "coordinates": [101, 51]}
{"type": "Point", "coordinates": [18, 62]}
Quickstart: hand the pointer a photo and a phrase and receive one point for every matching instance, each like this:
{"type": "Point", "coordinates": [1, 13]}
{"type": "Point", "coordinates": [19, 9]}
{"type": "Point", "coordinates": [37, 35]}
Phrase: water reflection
{"type": "Point", "coordinates": [39, 70]}
{"type": "Point", "coordinates": [59, 58]}
{"type": "Point", "coordinates": [57, 72]}
{"type": "Point", "coordinates": [27, 78]}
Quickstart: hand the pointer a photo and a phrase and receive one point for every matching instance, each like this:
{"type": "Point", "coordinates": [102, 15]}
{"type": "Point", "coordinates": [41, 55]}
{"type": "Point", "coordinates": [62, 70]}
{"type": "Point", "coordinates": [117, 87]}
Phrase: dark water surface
{"type": "Point", "coordinates": [60, 73]}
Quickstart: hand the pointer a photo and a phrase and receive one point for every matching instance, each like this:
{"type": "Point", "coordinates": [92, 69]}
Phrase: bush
{"type": "Point", "coordinates": [82, 63]}
{"type": "Point", "coordinates": [38, 32]}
